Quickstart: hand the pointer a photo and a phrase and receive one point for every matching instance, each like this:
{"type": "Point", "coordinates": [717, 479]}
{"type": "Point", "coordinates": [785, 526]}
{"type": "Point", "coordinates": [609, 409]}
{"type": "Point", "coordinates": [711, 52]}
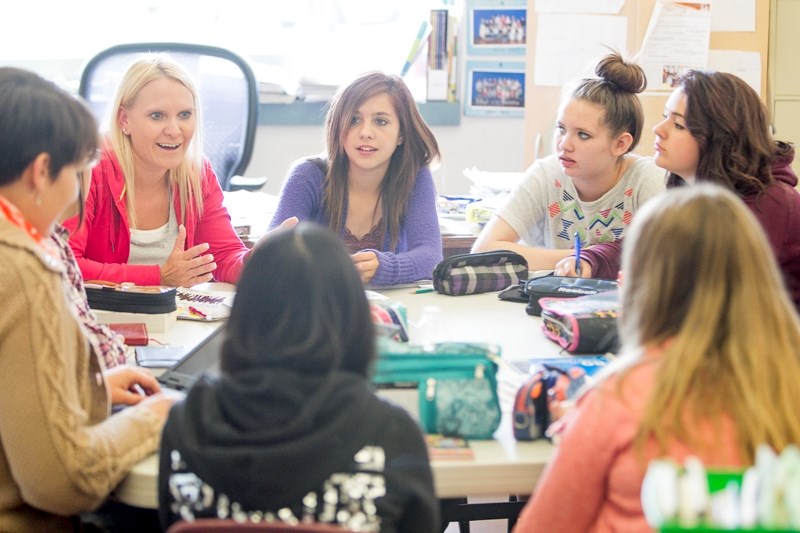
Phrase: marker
{"type": "Point", "coordinates": [422, 290]}
{"type": "Point", "coordinates": [577, 254]}
{"type": "Point", "coordinates": [197, 312]}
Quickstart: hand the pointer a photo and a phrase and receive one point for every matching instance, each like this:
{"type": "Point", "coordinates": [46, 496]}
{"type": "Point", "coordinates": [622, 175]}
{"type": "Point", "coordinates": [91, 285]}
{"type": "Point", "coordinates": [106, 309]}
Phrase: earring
{"type": "Point", "coordinates": [125, 132]}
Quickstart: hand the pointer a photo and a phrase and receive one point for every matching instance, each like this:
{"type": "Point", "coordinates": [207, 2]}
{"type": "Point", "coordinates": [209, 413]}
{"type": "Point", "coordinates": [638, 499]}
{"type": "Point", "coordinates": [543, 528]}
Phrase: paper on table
{"type": "Point", "coordinates": [493, 181]}
{"type": "Point", "coordinates": [204, 306]}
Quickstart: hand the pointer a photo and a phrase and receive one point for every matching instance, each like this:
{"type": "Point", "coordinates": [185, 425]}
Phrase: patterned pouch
{"type": "Point", "coordinates": [467, 408]}
{"type": "Point", "coordinates": [483, 272]}
{"type": "Point", "coordinates": [586, 324]}
{"type": "Point", "coordinates": [456, 384]}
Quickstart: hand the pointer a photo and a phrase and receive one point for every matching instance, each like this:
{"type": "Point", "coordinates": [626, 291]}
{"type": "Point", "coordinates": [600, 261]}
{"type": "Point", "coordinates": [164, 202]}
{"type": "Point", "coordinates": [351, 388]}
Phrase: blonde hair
{"type": "Point", "coordinates": [187, 175]}
{"type": "Point", "coordinates": [701, 283]}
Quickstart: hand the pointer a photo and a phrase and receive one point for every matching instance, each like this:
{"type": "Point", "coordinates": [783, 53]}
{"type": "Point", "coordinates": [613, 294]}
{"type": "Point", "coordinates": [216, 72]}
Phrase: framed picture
{"type": "Point", "coordinates": [494, 89]}
{"type": "Point", "coordinates": [497, 27]}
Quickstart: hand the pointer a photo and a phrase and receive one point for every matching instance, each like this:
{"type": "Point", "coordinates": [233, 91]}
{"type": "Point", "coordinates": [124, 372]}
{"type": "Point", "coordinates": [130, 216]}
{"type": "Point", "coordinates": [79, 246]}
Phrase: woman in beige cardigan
{"type": "Point", "coordinates": [61, 453]}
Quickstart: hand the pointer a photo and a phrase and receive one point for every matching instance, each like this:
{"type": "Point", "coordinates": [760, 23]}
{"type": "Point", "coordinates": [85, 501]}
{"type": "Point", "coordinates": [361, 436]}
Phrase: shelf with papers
{"type": "Point", "coordinates": [302, 113]}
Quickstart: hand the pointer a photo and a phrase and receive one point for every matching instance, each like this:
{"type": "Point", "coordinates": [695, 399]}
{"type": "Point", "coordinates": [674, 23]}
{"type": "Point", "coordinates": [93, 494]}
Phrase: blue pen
{"type": "Point", "coordinates": [577, 254]}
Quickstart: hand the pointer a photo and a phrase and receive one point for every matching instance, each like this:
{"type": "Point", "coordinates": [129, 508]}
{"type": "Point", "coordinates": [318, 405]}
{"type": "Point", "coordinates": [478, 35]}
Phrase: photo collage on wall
{"type": "Point", "coordinates": [497, 34]}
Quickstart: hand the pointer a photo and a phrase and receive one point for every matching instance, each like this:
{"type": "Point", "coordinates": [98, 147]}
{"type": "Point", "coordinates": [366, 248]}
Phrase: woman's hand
{"type": "Point", "coordinates": [286, 224]}
{"type": "Point", "coordinates": [129, 385]}
{"type": "Point", "coordinates": [186, 268]}
{"type": "Point", "coordinates": [566, 267]}
{"type": "Point", "coordinates": [367, 265]}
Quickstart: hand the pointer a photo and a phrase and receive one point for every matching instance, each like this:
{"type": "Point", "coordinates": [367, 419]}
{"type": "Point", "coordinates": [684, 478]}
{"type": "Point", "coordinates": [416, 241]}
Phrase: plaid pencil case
{"type": "Point", "coordinates": [482, 272]}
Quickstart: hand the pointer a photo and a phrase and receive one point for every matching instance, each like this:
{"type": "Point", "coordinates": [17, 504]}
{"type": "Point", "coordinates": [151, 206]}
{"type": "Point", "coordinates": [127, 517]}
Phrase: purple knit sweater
{"type": "Point", "coordinates": [419, 247]}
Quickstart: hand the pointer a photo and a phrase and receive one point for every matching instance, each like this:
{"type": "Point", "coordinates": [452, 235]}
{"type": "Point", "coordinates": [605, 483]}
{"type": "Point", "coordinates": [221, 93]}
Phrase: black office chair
{"type": "Point", "coordinates": [228, 93]}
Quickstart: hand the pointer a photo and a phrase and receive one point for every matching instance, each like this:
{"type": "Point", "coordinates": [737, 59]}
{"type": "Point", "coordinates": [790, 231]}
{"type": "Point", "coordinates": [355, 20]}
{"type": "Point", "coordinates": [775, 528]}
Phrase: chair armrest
{"type": "Point", "coordinates": [248, 184]}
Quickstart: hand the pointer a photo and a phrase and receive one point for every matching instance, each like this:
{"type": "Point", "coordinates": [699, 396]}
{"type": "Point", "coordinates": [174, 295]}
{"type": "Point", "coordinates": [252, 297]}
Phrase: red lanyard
{"type": "Point", "coordinates": [9, 211]}
{"type": "Point", "coordinates": [15, 216]}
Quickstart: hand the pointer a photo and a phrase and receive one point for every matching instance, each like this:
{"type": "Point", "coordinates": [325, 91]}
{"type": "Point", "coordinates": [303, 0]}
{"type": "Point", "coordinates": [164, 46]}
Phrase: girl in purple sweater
{"type": "Point", "coordinates": [373, 187]}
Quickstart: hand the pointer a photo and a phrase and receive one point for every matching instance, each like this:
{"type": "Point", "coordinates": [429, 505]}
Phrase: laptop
{"type": "Point", "coordinates": [203, 358]}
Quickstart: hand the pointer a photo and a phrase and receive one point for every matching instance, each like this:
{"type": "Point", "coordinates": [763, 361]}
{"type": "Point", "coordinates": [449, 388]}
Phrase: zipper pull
{"type": "Point", "coordinates": [430, 389]}
{"type": "Point", "coordinates": [480, 371]}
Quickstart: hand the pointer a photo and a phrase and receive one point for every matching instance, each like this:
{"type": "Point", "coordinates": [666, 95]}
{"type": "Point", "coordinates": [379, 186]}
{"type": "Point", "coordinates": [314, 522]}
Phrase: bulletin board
{"type": "Point", "coordinates": [542, 101]}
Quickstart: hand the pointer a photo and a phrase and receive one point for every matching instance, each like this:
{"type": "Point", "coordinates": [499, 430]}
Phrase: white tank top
{"type": "Point", "coordinates": [153, 246]}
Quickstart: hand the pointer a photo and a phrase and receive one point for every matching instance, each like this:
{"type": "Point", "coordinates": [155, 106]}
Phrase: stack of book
{"type": "Point", "coordinates": [447, 447]}
{"type": "Point", "coordinates": [442, 57]}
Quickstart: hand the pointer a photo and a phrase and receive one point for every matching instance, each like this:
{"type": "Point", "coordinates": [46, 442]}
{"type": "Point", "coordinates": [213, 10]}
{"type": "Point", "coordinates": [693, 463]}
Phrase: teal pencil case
{"type": "Point", "coordinates": [456, 384]}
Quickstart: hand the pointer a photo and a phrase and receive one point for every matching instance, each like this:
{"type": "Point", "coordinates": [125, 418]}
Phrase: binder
{"type": "Point", "coordinates": [438, 78]}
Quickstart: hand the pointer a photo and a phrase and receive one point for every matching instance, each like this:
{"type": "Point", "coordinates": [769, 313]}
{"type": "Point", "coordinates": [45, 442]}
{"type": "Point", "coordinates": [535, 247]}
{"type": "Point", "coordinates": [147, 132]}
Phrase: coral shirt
{"type": "Point", "coordinates": [594, 479]}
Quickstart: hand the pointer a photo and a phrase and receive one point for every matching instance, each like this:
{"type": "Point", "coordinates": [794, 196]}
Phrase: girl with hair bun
{"type": "Point", "coordinates": [716, 129]}
{"type": "Point", "coordinates": [591, 186]}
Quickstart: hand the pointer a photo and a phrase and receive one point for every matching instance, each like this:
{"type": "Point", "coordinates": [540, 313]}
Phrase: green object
{"type": "Point", "coordinates": [717, 481]}
{"type": "Point", "coordinates": [456, 384]}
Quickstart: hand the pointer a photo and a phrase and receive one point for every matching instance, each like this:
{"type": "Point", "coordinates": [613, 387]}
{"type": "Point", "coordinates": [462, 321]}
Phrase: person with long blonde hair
{"type": "Point", "coordinates": [709, 365]}
{"type": "Point", "coordinates": [154, 212]}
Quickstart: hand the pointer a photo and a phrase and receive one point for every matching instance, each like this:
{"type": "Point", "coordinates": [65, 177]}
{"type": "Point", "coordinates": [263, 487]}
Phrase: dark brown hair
{"type": "Point", "coordinates": [310, 314]}
{"type": "Point", "coordinates": [37, 116]}
{"type": "Point", "coordinates": [732, 128]}
{"type": "Point", "coordinates": [418, 149]}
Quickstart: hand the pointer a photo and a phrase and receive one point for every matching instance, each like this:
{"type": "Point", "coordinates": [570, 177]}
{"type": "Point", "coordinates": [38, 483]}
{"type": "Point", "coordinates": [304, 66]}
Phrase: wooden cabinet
{"type": "Point", "coordinates": [784, 76]}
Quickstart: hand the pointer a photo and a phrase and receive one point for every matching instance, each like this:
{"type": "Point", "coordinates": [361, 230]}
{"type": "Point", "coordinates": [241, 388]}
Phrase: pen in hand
{"type": "Point", "coordinates": [577, 254]}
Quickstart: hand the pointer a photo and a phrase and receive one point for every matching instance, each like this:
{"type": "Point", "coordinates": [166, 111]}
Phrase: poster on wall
{"type": "Point", "coordinates": [494, 89]}
{"type": "Point", "coordinates": [497, 27]}
{"type": "Point", "coordinates": [677, 40]}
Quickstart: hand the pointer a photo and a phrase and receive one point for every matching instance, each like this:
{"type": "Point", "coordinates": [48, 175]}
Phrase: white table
{"type": "Point", "coordinates": [500, 466]}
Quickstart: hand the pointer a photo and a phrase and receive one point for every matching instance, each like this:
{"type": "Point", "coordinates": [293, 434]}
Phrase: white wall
{"type": "Point", "coordinates": [486, 143]}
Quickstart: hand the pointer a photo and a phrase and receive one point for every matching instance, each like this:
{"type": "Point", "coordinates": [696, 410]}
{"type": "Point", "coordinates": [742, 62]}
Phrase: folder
{"type": "Point", "coordinates": [438, 84]}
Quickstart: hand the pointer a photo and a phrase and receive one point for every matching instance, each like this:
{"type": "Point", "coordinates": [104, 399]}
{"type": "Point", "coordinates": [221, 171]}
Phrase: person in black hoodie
{"type": "Point", "coordinates": [291, 430]}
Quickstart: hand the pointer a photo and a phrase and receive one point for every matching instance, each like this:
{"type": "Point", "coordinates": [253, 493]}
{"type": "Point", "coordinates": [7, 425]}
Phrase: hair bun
{"type": "Point", "coordinates": [621, 74]}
